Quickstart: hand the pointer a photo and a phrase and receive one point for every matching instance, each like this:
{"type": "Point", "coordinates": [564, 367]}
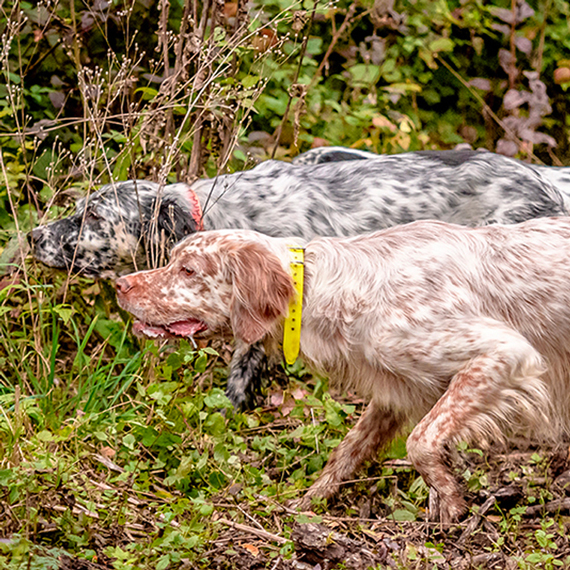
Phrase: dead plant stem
{"type": "Point", "coordinates": [295, 79]}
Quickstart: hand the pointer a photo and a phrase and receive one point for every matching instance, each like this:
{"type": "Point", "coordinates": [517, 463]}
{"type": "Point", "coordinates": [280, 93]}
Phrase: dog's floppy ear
{"type": "Point", "coordinates": [174, 218]}
{"type": "Point", "coordinates": [261, 291]}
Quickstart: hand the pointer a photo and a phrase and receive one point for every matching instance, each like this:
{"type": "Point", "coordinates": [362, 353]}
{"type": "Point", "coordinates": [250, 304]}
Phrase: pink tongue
{"type": "Point", "coordinates": [186, 328]}
{"type": "Point", "coordinates": [181, 328]}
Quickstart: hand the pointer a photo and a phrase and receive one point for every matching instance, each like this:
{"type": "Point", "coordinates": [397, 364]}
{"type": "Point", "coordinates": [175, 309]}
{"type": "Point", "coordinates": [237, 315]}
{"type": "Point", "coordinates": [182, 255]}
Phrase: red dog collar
{"type": "Point", "coordinates": [196, 209]}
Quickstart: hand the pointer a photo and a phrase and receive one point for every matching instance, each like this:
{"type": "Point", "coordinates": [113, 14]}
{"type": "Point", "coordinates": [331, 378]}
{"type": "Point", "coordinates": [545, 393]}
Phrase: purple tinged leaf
{"type": "Point", "coordinates": [537, 138]}
{"type": "Point", "coordinates": [523, 44]}
{"type": "Point", "coordinates": [508, 148]}
{"type": "Point", "coordinates": [503, 28]}
{"type": "Point", "coordinates": [57, 99]}
{"type": "Point", "coordinates": [514, 99]}
{"type": "Point", "coordinates": [524, 11]}
{"type": "Point", "coordinates": [506, 60]}
{"type": "Point", "coordinates": [502, 13]}
{"type": "Point", "coordinates": [87, 21]}
{"type": "Point", "coordinates": [481, 83]}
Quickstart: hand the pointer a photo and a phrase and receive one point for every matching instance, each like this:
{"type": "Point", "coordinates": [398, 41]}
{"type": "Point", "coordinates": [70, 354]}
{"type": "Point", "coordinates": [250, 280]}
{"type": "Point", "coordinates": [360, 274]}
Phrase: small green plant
{"type": "Point", "coordinates": [545, 555]}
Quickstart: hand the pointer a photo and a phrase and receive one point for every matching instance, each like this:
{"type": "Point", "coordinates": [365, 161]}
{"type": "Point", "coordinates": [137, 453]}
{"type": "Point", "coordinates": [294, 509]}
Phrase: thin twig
{"type": "Point", "coordinates": [540, 49]}
{"type": "Point", "coordinates": [512, 64]}
{"type": "Point", "coordinates": [336, 36]}
{"type": "Point", "coordinates": [295, 79]}
{"type": "Point", "coordinates": [255, 531]}
{"type": "Point", "coordinates": [247, 515]}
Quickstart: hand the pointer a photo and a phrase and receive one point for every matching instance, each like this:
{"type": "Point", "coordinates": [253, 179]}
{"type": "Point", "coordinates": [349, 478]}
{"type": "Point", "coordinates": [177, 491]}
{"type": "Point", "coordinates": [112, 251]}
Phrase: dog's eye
{"type": "Point", "coordinates": [92, 215]}
{"type": "Point", "coordinates": [188, 271]}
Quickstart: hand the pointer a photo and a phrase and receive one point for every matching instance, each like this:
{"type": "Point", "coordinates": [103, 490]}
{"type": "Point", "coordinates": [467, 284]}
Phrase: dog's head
{"type": "Point", "coordinates": [120, 228]}
{"type": "Point", "coordinates": [215, 281]}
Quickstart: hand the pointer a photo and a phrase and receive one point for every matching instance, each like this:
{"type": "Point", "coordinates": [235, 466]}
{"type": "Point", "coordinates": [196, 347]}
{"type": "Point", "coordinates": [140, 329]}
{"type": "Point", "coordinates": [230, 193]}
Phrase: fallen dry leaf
{"type": "Point", "coordinates": [107, 451]}
{"type": "Point", "coordinates": [253, 550]}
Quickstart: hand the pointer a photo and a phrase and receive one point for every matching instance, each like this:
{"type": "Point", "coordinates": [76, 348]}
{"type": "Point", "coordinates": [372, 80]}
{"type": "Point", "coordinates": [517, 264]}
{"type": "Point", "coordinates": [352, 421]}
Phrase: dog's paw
{"type": "Point", "coordinates": [445, 509]}
{"type": "Point", "coordinates": [301, 505]}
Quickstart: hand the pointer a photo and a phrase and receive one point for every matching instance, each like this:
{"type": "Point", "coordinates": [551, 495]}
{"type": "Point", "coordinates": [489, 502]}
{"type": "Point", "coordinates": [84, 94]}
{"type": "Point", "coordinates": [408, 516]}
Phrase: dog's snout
{"type": "Point", "coordinates": [35, 236]}
{"type": "Point", "coordinates": [123, 285]}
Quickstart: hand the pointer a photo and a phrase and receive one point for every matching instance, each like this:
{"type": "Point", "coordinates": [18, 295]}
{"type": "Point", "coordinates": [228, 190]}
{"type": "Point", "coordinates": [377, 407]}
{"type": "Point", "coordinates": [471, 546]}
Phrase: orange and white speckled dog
{"type": "Point", "coordinates": [466, 331]}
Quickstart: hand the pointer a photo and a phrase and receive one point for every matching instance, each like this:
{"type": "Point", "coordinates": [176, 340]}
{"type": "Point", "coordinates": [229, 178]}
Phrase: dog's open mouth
{"type": "Point", "coordinates": [186, 328]}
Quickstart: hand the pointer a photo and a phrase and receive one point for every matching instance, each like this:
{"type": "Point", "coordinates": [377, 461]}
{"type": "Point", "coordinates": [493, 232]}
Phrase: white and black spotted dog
{"type": "Point", "coordinates": [334, 191]}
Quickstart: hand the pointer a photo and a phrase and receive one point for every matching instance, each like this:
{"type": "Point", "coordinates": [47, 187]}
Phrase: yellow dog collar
{"type": "Point", "coordinates": [292, 330]}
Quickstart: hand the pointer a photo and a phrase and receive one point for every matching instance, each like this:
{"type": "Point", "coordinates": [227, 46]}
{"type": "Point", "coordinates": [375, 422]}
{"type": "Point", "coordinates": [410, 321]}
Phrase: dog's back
{"type": "Point", "coordinates": [352, 197]}
{"type": "Point", "coordinates": [391, 298]}
{"type": "Point", "coordinates": [134, 222]}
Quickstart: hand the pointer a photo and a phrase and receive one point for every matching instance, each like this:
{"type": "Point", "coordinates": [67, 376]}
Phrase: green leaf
{"type": "Point", "coordinates": [129, 441]}
{"type": "Point", "coordinates": [401, 515]}
{"type": "Point", "coordinates": [122, 165]}
{"type": "Point", "coordinates": [249, 81]}
{"type": "Point", "coordinates": [217, 479]}
{"type": "Point", "coordinates": [163, 562]}
{"type": "Point", "coordinates": [315, 464]}
{"type": "Point", "coordinates": [175, 360]}
{"type": "Point", "coordinates": [441, 44]}
{"type": "Point", "coordinates": [219, 34]}
{"type": "Point", "coordinates": [200, 363]}
{"type": "Point", "coordinates": [47, 159]}
{"type": "Point", "coordinates": [46, 436]}
{"type": "Point", "coordinates": [215, 424]}
{"type": "Point", "coordinates": [191, 541]}
{"type": "Point", "coordinates": [206, 510]}
{"type": "Point", "coordinates": [64, 311]}
{"type": "Point", "coordinates": [364, 74]}
{"type": "Point", "coordinates": [217, 399]}
{"type": "Point", "coordinates": [305, 519]}
{"type": "Point", "coordinates": [6, 476]}
{"type": "Point", "coordinates": [403, 88]}
{"type": "Point", "coordinates": [148, 93]}
{"type": "Point", "coordinates": [314, 46]}
{"type": "Point", "coordinates": [221, 452]}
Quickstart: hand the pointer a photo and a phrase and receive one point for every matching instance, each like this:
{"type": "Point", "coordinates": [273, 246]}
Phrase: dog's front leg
{"type": "Point", "coordinates": [246, 369]}
{"type": "Point", "coordinates": [376, 427]}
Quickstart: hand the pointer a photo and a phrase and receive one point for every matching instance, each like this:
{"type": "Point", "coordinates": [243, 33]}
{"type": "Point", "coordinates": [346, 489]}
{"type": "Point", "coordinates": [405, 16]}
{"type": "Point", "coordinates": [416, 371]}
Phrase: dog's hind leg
{"type": "Point", "coordinates": [488, 394]}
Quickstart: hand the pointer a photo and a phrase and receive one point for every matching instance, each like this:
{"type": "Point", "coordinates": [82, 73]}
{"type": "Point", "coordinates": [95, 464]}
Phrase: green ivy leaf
{"type": "Point", "coordinates": [129, 441]}
{"type": "Point", "coordinates": [163, 562]}
{"type": "Point", "coordinates": [365, 74]}
{"type": "Point", "coordinates": [441, 44]}
{"type": "Point", "coordinates": [217, 399]}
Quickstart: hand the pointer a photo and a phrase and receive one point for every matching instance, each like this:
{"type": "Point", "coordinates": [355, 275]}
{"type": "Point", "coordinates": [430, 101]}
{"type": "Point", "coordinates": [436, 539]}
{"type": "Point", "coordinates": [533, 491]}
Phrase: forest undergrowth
{"type": "Point", "coordinates": [117, 452]}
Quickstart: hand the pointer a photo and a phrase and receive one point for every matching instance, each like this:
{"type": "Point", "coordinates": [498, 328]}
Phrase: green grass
{"type": "Point", "coordinates": [75, 388]}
